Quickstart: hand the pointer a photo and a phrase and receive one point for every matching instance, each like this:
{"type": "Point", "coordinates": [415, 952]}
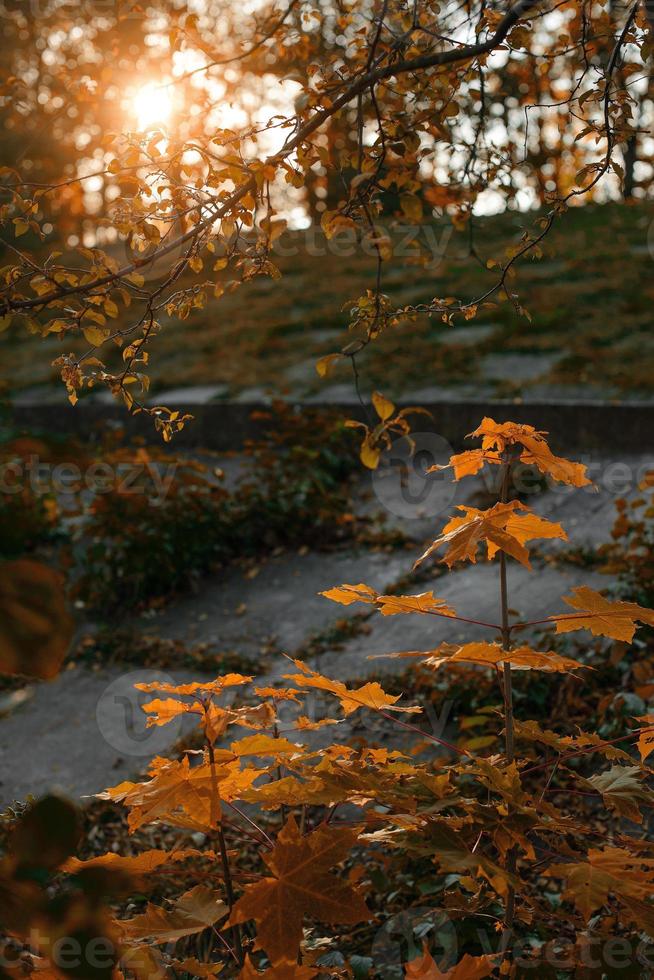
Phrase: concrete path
{"type": "Point", "coordinates": [84, 731]}
{"type": "Point", "coordinates": [80, 733]}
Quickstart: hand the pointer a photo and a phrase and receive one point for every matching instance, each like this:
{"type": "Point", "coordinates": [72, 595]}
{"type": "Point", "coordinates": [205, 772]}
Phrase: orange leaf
{"type": "Point", "coordinates": [205, 687]}
{"type": "Point", "coordinates": [196, 910]}
{"type": "Point", "coordinates": [425, 602]}
{"type": "Point", "coordinates": [370, 695]}
{"type": "Point", "coordinates": [498, 436]}
{"type": "Point", "coordinates": [646, 737]}
{"type": "Point", "coordinates": [389, 605]}
{"type": "Point", "coordinates": [161, 712]}
{"type": "Point", "coordinates": [264, 745]}
{"type": "Point", "coordinates": [602, 616]}
{"type": "Point", "coordinates": [301, 884]}
{"type": "Point", "coordinates": [184, 795]}
{"type": "Point", "coordinates": [423, 967]}
{"type": "Point", "coordinates": [610, 870]}
{"type": "Point", "coordinates": [501, 527]}
{"type": "Point", "coordinates": [522, 658]}
{"type": "Point", "coordinates": [134, 864]}
{"type": "Point", "coordinates": [347, 594]}
{"type": "Point", "coordinates": [35, 626]}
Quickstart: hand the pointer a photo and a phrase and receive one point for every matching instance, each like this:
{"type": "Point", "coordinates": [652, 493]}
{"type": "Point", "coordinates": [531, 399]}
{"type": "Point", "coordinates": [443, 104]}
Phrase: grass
{"type": "Point", "coordinates": [590, 297]}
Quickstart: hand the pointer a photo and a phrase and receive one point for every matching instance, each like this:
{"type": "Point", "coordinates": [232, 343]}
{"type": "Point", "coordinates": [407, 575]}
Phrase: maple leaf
{"type": "Point", "coordinates": [490, 655]}
{"type": "Point", "coordinates": [204, 687]}
{"type": "Point", "coordinates": [611, 870]}
{"type": "Point", "coordinates": [347, 594]}
{"type": "Point", "coordinates": [646, 737]}
{"type": "Point", "coordinates": [185, 795]}
{"type": "Point", "coordinates": [622, 790]}
{"type": "Point", "coordinates": [467, 463]}
{"type": "Point", "coordinates": [264, 745]}
{"type": "Point", "coordinates": [423, 967]}
{"type": "Point", "coordinates": [602, 616]}
{"type": "Point", "coordinates": [497, 438]}
{"type": "Point", "coordinates": [493, 654]}
{"type": "Point", "coordinates": [282, 694]}
{"type": "Point", "coordinates": [537, 451]}
{"type": "Point", "coordinates": [424, 602]}
{"type": "Point", "coordinates": [389, 605]}
{"type": "Point", "coordinates": [257, 716]}
{"type": "Point", "coordinates": [196, 910]}
{"type": "Point", "coordinates": [135, 864]}
{"type": "Point", "coordinates": [289, 790]}
{"type": "Point", "coordinates": [304, 724]}
{"type": "Point", "coordinates": [446, 847]}
{"type": "Point", "coordinates": [504, 527]}
{"type": "Point", "coordinates": [530, 731]}
{"type": "Point", "coordinates": [162, 711]}
{"type": "Point", "coordinates": [301, 884]}
{"type": "Point", "coordinates": [370, 695]}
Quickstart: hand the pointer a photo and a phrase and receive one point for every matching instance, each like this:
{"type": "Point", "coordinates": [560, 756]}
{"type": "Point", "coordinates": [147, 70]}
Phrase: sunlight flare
{"type": "Point", "coordinates": [152, 107]}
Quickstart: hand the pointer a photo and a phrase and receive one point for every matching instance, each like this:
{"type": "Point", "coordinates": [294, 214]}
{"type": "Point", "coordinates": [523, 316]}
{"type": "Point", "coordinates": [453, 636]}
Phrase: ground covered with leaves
{"type": "Point", "coordinates": [308, 820]}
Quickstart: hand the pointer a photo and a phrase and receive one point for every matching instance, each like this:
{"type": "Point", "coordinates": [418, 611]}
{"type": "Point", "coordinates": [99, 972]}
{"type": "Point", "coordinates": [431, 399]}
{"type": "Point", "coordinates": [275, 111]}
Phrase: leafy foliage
{"type": "Point", "coordinates": [392, 112]}
{"type": "Point", "coordinates": [485, 824]}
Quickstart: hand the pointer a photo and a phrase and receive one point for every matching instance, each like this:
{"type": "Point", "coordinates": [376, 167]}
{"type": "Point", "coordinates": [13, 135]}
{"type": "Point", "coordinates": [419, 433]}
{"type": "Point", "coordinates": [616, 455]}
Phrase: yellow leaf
{"type": "Point", "coordinates": [383, 406]}
{"type": "Point", "coordinates": [95, 317]}
{"type": "Point", "coordinates": [411, 207]}
{"type": "Point", "coordinates": [347, 594]}
{"type": "Point", "coordinates": [94, 336]}
{"type": "Point", "coordinates": [324, 365]}
{"type": "Point", "coordinates": [20, 227]}
{"type": "Point", "coordinates": [370, 453]}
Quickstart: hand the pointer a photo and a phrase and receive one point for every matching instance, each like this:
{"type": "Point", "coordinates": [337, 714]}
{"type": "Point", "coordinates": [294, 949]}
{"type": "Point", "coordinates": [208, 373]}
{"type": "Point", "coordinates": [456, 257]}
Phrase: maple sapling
{"type": "Point", "coordinates": [279, 894]}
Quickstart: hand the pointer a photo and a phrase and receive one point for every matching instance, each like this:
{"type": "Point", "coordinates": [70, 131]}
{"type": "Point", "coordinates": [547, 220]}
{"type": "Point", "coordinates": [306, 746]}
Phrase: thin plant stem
{"type": "Point", "coordinates": [266, 839]}
{"type": "Point", "coordinates": [222, 844]}
{"type": "Point", "coordinates": [420, 731]}
{"type": "Point", "coordinates": [509, 737]}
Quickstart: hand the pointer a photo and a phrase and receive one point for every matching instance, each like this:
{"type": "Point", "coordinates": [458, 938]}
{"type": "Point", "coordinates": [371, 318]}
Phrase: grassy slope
{"type": "Point", "coordinates": [590, 298]}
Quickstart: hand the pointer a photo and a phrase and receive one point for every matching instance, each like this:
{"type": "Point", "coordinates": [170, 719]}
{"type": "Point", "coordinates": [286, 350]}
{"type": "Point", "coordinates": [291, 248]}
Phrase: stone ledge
{"type": "Point", "coordinates": [624, 427]}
